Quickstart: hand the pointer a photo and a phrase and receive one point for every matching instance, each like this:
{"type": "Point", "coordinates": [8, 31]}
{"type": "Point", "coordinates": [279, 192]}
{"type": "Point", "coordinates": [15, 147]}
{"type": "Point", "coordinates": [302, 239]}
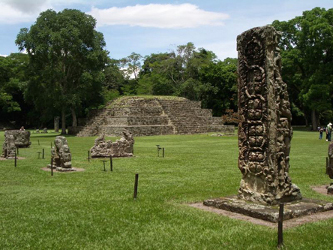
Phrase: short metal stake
{"type": "Point", "coordinates": [158, 150]}
{"type": "Point", "coordinates": [136, 186]}
{"type": "Point", "coordinates": [111, 163]}
{"type": "Point", "coordinates": [163, 152]}
{"type": "Point", "coordinates": [43, 154]}
{"type": "Point", "coordinates": [88, 155]}
{"type": "Point", "coordinates": [15, 159]}
{"type": "Point", "coordinates": [104, 165]}
{"type": "Point", "coordinates": [280, 226]}
{"type": "Point", "coordinates": [51, 166]}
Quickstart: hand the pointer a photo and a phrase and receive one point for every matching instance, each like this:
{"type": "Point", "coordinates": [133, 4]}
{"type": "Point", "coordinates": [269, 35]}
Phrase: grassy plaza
{"type": "Point", "coordinates": [95, 209]}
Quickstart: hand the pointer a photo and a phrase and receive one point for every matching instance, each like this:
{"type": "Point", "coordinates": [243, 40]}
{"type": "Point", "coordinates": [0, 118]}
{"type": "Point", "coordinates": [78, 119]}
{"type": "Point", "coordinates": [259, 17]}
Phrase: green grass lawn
{"type": "Point", "coordinates": [95, 209]}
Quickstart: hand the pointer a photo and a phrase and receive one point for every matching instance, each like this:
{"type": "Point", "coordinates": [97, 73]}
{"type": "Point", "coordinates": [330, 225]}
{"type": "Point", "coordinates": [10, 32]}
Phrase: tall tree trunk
{"type": "Point", "coordinates": [306, 119]}
{"type": "Point", "coordinates": [74, 124]}
{"type": "Point", "coordinates": [63, 121]}
{"type": "Point", "coordinates": [314, 120]}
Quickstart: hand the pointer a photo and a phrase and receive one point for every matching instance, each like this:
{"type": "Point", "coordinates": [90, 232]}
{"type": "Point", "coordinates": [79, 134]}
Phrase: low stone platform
{"type": "Point", "coordinates": [270, 213]}
{"type": "Point", "coordinates": [71, 170]}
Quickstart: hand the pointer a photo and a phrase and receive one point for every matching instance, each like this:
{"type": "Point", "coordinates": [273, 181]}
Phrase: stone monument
{"type": "Point", "coordinates": [56, 124]}
{"type": "Point", "coordinates": [120, 148]}
{"type": "Point", "coordinates": [329, 167]}
{"type": "Point", "coordinates": [264, 132]}
{"type": "Point", "coordinates": [8, 147]}
{"type": "Point", "coordinates": [22, 137]}
{"type": "Point", "coordinates": [264, 135]}
{"type": "Point", "coordinates": [61, 155]}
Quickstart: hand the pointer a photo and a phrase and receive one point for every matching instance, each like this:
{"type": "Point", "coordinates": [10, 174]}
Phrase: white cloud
{"type": "Point", "coordinates": [25, 6]}
{"type": "Point", "coordinates": [21, 11]}
{"type": "Point", "coordinates": [158, 16]}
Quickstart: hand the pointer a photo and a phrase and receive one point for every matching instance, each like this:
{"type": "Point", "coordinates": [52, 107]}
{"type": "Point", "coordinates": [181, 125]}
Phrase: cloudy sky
{"type": "Point", "coordinates": [156, 26]}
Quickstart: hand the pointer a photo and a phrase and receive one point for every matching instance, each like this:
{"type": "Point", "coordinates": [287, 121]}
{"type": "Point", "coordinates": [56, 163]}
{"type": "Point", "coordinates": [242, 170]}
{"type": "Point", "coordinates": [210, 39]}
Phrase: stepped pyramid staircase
{"type": "Point", "coordinates": [144, 116]}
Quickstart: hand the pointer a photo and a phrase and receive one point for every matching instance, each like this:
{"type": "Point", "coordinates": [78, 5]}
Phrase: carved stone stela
{"type": "Point", "coordinates": [265, 132]}
{"type": "Point", "coordinates": [61, 155]}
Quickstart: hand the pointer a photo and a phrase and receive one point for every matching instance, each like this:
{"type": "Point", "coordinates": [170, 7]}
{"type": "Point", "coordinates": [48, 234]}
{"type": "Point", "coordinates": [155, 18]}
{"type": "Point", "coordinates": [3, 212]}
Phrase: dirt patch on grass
{"type": "Point", "coordinates": [5, 159]}
{"type": "Point", "coordinates": [321, 189]}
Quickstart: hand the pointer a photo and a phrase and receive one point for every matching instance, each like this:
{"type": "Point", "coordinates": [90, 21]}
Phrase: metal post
{"type": "Point", "coordinates": [163, 152]}
{"type": "Point", "coordinates": [111, 163]}
{"type": "Point", "coordinates": [104, 165]}
{"type": "Point", "coordinates": [280, 226]}
{"type": "Point", "coordinates": [88, 155]}
{"type": "Point", "coordinates": [15, 159]}
{"type": "Point", "coordinates": [51, 166]}
{"type": "Point", "coordinates": [43, 154]}
{"type": "Point", "coordinates": [136, 186]}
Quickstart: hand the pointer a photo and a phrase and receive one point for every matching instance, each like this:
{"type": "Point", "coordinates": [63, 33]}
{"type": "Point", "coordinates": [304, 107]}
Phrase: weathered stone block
{"type": "Point", "coordinates": [120, 148]}
{"type": "Point", "coordinates": [61, 155]}
{"type": "Point", "coordinates": [22, 137]}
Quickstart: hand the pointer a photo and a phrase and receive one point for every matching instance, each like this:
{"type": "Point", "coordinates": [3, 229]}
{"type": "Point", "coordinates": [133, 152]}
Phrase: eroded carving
{"type": "Point", "coordinates": [119, 148]}
{"type": "Point", "coordinates": [8, 147]}
{"type": "Point", "coordinates": [61, 155]}
{"type": "Point", "coordinates": [265, 131]}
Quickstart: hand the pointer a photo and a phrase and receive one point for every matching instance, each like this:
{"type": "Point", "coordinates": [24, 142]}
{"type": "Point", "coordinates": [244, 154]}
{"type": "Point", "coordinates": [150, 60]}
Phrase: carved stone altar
{"type": "Point", "coordinates": [264, 132]}
{"type": "Point", "coordinates": [22, 137]}
{"type": "Point", "coordinates": [14, 139]}
{"type": "Point", "coordinates": [120, 148]}
{"type": "Point", "coordinates": [61, 155]}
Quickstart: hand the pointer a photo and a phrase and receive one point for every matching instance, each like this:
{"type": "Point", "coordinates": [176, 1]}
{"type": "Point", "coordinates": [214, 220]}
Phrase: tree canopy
{"type": "Point", "coordinates": [13, 80]}
{"type": "Point", "coordinates": [307, 60]}
{"type": "Point", "coordinates": [192, 73]}
{"type": "Point", "coordinates": [67, 57]}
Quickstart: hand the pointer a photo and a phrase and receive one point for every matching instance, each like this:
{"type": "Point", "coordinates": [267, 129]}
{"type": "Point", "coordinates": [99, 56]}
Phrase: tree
{"type": "Point", "coordinates": [220, 81]}
{"type": "Point", "coordinates": [67, 57]}
{"type": "Point", "coordinates": [307, 59]}
{"type": "Point", "coordinates": [13, 77]}
{"type": "Point", "coordinates": [192, 73]}
{"type": "Point", "coordinates": [132, 65]}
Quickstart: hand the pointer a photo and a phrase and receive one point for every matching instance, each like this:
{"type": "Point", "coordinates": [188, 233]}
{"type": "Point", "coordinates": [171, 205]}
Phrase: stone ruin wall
{"type": "Point", "coordinates": [264, 132]}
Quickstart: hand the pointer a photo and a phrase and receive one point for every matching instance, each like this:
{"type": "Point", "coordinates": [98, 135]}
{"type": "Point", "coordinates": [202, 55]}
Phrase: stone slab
{"type": "Point", "coordinates": [71, 170]}
{"type": "Point", "coordinates": [294, 222]}
{"type": "Point", "coordinates": [270, 213]}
